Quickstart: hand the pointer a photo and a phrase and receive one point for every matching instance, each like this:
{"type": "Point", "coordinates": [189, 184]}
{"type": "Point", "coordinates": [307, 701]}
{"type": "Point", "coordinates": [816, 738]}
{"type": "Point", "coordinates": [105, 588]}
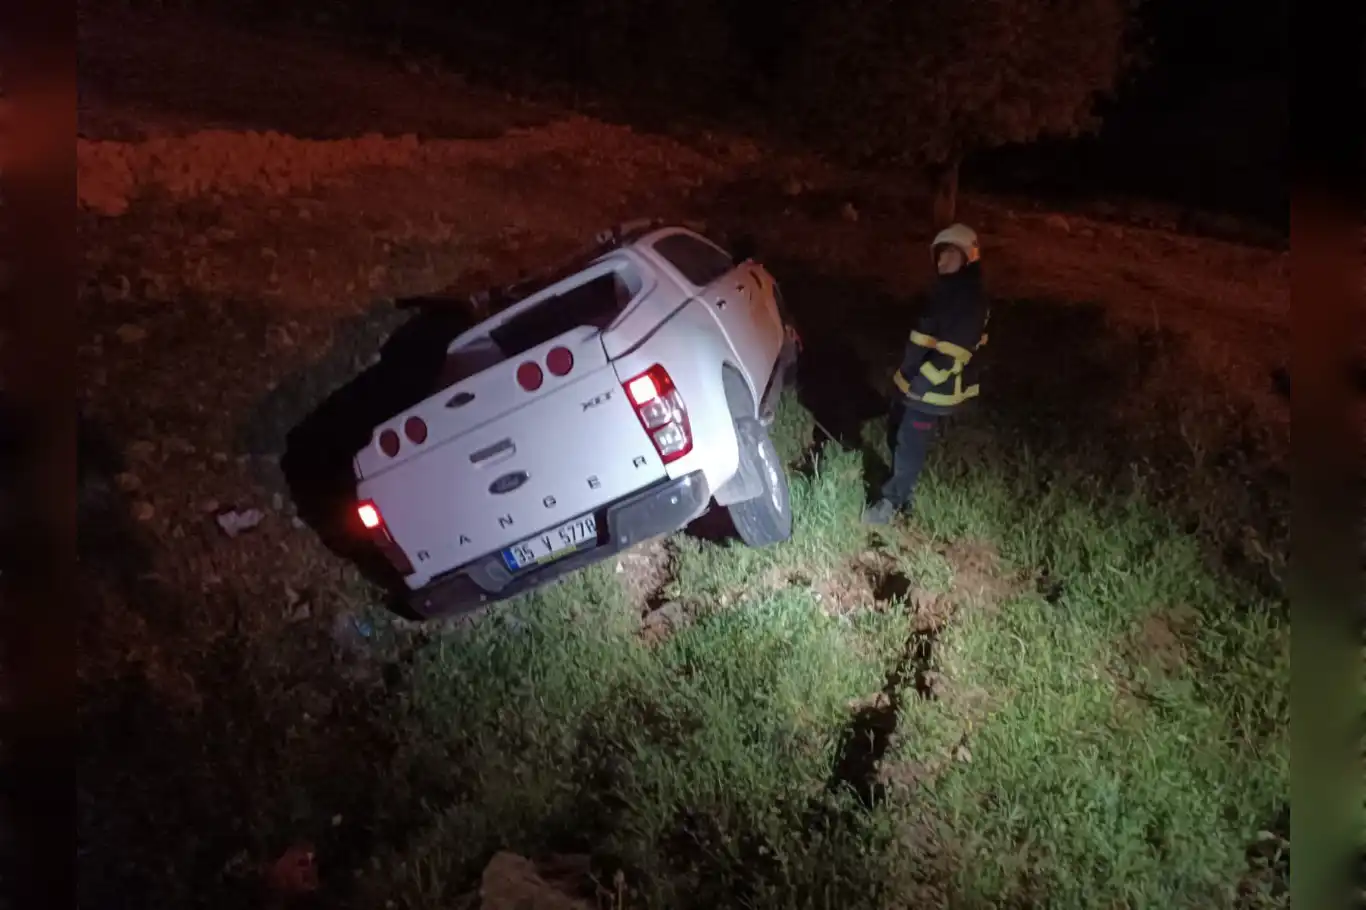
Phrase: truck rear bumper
{"type": "Point", "coordinates": [659, 509]}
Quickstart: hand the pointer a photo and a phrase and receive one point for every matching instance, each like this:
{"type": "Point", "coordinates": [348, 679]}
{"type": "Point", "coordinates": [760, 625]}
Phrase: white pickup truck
{"type": "Point", "coordinates": [611, 404]}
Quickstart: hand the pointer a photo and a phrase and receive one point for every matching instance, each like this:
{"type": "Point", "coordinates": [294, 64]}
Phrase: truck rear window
{"type": "Point", "coordinates": [595, 303]}
{"type": "Point", "coordinates": [699, 262]}
{"type": "Point", "coordinates": [462, 363]}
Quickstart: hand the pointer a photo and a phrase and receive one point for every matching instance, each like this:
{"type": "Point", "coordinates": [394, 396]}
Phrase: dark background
{"type": "Point", "coordinates": [1202, 126]}
{"type": "Point", "coordinates": [1205, 125]}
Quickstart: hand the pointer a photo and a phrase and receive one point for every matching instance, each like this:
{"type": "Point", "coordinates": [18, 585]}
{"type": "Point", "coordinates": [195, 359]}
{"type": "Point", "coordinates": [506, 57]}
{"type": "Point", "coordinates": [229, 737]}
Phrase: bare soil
{"type": "Point", "coordinates": [645, 571]}
{"type": "Point", "coordinates": [1159, 643]}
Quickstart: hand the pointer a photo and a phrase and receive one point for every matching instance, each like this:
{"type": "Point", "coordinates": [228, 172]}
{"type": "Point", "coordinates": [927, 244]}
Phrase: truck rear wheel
{"type": "Point", "coordinates": [767, 518]}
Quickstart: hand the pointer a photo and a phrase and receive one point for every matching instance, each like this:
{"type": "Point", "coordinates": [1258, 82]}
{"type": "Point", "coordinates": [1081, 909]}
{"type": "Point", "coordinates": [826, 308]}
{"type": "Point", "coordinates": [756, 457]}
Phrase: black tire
{"type": "Point", "coordinates": [767, 518]}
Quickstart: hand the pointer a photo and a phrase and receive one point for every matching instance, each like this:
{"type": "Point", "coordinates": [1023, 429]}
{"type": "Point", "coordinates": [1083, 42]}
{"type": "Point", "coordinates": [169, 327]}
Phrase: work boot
{"type": "Point", "coordinates": [879, 513]}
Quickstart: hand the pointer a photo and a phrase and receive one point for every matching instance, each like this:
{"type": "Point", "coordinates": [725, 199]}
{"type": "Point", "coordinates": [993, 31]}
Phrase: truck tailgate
{"type": "Point", "coordinates": [507, 463]}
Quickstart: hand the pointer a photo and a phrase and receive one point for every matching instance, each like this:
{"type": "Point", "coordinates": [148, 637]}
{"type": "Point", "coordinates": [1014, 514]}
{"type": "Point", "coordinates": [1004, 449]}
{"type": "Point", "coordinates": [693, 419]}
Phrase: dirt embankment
{"type": "Point", "coordinates": [213, 164]}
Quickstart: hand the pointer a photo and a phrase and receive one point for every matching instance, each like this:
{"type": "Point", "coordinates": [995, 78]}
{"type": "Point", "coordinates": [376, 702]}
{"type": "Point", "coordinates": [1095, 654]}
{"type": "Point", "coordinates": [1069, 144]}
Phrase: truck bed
{"type": "Point", "coordinates": [510, 462]}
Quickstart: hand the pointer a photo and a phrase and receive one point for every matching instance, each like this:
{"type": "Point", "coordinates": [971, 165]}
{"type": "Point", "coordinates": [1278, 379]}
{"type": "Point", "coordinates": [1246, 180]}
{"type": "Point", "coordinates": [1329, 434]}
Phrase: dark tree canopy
{"type": "Point", "coordinates": [930, 80]}
{"type": "Point", "coordinates": [919, 82]}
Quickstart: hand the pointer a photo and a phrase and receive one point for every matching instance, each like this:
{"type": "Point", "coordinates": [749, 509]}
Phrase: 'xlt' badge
{"type": "Point", "coordinates": [508, 482]}
{"type": "Point", "coordinates": [594, 402]}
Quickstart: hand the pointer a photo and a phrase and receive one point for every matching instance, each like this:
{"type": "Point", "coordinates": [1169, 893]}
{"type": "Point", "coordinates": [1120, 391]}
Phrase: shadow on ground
{"type": "Point", "coordinates": [870, 731]}
{"type": "Point", "coordinates": [205, 753]}
{"type": "Point", "coordinates": [1068, 399]}
{"type": "Point", "coordinates": [849, 328]}
{"type": "Point", "coordinates": [322, 414]}
{"type": "Point", "coordinates": [1051, 370]}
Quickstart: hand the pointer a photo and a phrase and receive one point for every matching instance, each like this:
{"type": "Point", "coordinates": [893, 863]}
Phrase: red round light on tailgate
{"type": "Point", "coordinates": [560, 361]}
{"type": "Point", "coordinates": [415, 429]}
{"type": "Point", "coordinates": [388, 443]}
{"type": "Point", "coordinates": [529, 376]}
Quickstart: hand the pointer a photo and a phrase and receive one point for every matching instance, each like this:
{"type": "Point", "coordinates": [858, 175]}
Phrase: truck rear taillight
{"type": "Point", "coordinates": [560, 361]}
{"type": "Point", "coordinates": [661, 412]}
{"type": "Point", "coordinates": [530, 376]}
{"type": "Point", "coordinates": [415, 428]}
{"type": "Point", "coordinates": [373, 521]}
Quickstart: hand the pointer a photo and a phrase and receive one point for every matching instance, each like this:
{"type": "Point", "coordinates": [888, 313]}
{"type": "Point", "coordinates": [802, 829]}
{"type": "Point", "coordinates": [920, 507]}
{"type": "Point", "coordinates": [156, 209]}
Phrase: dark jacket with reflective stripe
{"type": "Point", "coordinates": [939, 371]}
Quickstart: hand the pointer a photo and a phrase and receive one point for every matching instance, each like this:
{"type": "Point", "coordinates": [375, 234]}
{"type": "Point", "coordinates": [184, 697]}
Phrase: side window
{"type": "Point", "coordinates": [701, 263]}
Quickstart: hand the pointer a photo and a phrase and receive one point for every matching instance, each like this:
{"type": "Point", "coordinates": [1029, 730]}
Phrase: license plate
{"type": "Point", "coordinates": [552, 544]}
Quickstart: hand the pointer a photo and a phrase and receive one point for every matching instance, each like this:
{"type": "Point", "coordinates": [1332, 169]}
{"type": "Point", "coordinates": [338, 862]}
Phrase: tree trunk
{"type": "Point", "coordinates": [946, 192]}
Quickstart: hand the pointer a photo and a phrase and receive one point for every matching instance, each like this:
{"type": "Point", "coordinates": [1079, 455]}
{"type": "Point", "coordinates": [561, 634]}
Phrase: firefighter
{"type": "Point", "coordinates": [938, 371]}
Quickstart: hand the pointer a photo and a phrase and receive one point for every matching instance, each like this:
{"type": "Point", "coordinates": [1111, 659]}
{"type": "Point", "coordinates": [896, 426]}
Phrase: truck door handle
{"type": "Point", "coordinates": [502, 447]}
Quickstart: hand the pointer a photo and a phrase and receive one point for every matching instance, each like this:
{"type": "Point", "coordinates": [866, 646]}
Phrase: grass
{"type": "Point", "coordinates": [1061, 759]}
{"type": "Point", "coordinates": [690, 765]}
{"type": "Point", "coordinates": [1107, 727]}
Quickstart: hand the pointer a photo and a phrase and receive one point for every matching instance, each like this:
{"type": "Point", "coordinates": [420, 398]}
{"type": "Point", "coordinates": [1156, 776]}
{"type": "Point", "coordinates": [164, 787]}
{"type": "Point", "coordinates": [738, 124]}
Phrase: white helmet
{"type": "Point", "coordinates": [961, 236]}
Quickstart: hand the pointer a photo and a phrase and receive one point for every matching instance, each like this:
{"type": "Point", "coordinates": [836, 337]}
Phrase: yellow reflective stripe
{"type": "Point", "coordinates": [947, 399]}
{"type": "Point", "coordinates": [934, 374]}
{"type": "Point", "coordinates": [957, 352]}
{"type": "Point", "coordinates": [901, 383]}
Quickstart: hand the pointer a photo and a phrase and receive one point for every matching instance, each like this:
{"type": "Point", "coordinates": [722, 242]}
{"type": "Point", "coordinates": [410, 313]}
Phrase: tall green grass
{"type": "Point", "coordinates": [1057, 762]}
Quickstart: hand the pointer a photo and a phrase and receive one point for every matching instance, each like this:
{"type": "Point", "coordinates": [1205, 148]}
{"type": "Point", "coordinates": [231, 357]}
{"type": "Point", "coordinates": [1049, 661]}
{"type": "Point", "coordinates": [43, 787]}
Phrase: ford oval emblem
{"type": "Point", "coordinates": [508, 482]}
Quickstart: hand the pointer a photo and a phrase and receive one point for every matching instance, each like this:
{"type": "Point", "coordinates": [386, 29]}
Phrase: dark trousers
{"type": "Point", "coordinates": [915, 432]}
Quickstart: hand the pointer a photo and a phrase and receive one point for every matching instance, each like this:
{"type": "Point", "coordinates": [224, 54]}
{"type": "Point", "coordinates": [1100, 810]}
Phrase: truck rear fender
{"type": "Point", "coordinates": [692, 351]}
